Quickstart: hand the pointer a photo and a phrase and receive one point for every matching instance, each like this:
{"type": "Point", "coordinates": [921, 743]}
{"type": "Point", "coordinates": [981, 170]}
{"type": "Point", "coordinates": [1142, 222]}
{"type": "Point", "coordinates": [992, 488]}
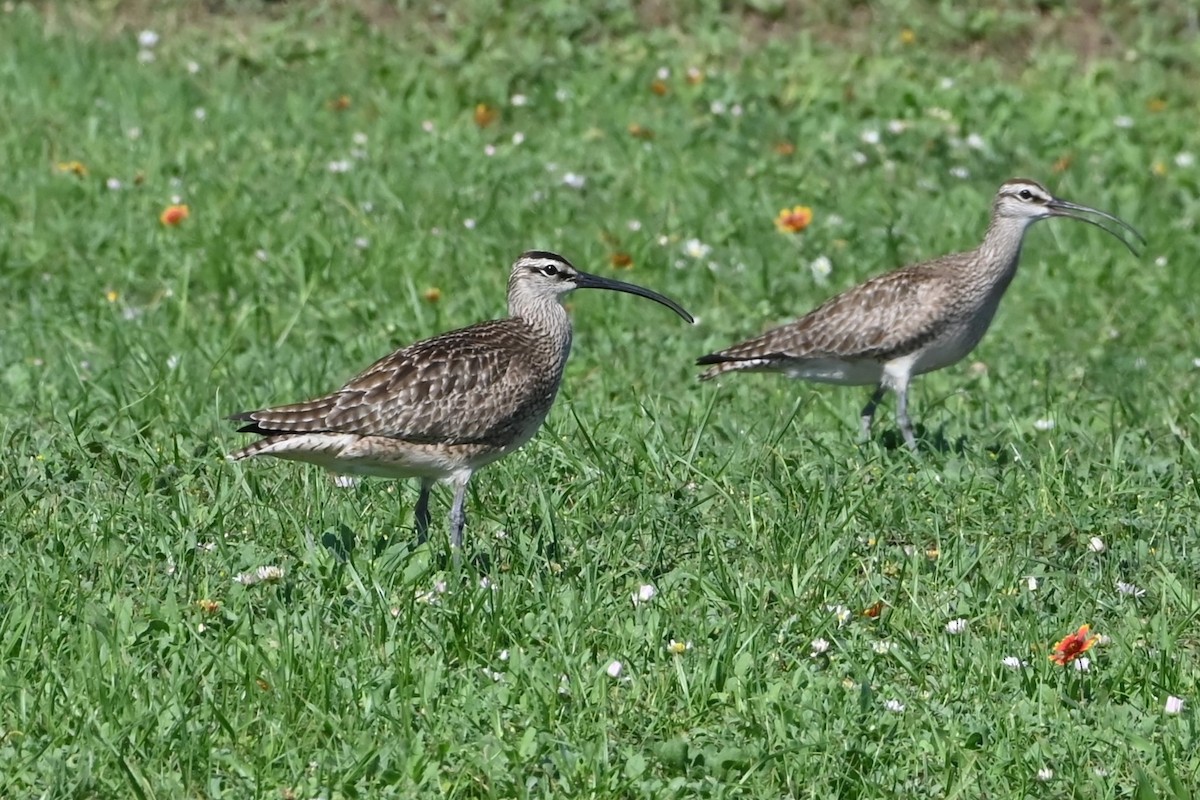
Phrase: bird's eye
{"type": "Point", "coordinates": [549, 270]}
{"type": "Point", "coordinates": [1025, 194]}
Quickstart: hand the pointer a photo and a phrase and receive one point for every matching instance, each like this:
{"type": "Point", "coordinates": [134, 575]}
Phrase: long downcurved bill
{"type": "Point", "coordinates": [1075, 211]}
{"type": "Point", "coordinates": [585, 280]}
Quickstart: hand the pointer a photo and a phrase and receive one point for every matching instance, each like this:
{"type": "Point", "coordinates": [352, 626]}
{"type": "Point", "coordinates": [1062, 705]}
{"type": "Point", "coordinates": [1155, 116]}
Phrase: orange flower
{"type": "Point", "coordinates": [485, 115]}
{"type": "Point", "coordinates": [1062, 164]}
{"type": "Point", "coordinates": [793, 220]}
{"type": "Point", "coordinates": [621, 260]}
{"type": "Point", "coordinates": [784, 148]}
{"type": "Point", "coordinates": [875, 610]}
{"type": "Point", "coordinates": [173, 215]}
{"type": "Point", "coordinates": [1156, 105]}
{"type": "Point", "coordinates": [209, 606]}
{"type": "Point", "coordinates": [340, 103]}
{"type": "Point", "coordinates": [1073, 646]}
{"type": "Point", "coordinates": [658, 87]}
{"type": "Point", "coordinates": [432, 294]}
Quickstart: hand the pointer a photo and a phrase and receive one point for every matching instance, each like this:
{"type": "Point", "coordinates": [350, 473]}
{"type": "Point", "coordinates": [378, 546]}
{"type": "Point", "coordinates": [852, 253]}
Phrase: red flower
{"type": "Point", "coordinates": [1073, 646]}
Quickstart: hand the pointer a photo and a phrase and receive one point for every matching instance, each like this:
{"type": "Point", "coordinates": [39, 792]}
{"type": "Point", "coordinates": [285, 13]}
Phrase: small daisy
{"type": "Point", "coordinates": [718, 107]}
{"type": "Point", "coordinates": [819, 646]}
{"type": "Point", "coordinates": [469, 224]}
{"type": "Point", "coordinates": [193, 67]}
{"type": "Point", "coordinates": [869, 136]}
{"type": "Point", "coordinates": [1012, 662]}
{"type": "Point", "coordinates": [574, 180]}
{"type": "Point", "coordinates": [1123, 122]}
{"type": "Point", "coordinates": [1174, 705]}
{"type": "Point", "coordinates": [821, 267]}
{"type": "Point", "coordinates": [359, 139]}
{"type": "Point", "coordinates": [489, 150]}
{"type": "Point", "coordinates": [894, 706]}
{"type": "Point", "coordinates": [362, 242]}
{"type": "Point", "coordinates": [946, 83]}
{"type": "Point", "coordinates": [428, 126]}
{"type": "Point", "coordinates": [956, 626]}
{"type": "Point", "coordinates": [518, 100]}
{"type": "Point", "coordinates": [678, 648]}
{"type": "Point", "coordinates": [858, 158]}
{"type": "Point", "coordinates": [339, 166]}
{"type": "Point", "coordinates": [1083, 664]}
{"type": "Point", "coordinates": [113, 184]}
{"type": "Point", "coordinates": [1045, 774]}
{"type": "Point", "coordinates": [518, 138]}
{"type": "Point", "coordinates": [962, 173]}
{"type": "Point", "coordinates": [614, 669]}
{"type": "Point", "coordinates": [200, 114]}
{"type": "Point", "coordinates": [840, 613]}
{"type": "Point", "coordinates": [1044, 424]}
{"type": "Point", "coordinates": [976, 142]}
{"type": "Point", "coordinates": [1096, 545]}
{"type": "Point", "coordinates": [147, 39]}
{"type": "Point", "coordinates": [897, 126]}
{"type": "Point", "coordinates": [696, 249]}
{"type": "Point", "coordinates": [1184, 160]}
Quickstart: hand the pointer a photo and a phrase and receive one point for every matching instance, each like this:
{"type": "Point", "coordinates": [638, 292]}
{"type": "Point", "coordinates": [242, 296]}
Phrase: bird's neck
{"type": "Point", "coordinates": [546, 316]}
{"type": "Point", "coordinates": [1001, 248]}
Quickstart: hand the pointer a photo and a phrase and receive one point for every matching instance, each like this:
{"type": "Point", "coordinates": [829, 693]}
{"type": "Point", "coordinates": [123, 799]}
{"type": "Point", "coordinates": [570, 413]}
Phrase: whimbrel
{"type": "Point", "coordinates": [912, 320]}
{"type": "Point", "coordinates": [444, 407]}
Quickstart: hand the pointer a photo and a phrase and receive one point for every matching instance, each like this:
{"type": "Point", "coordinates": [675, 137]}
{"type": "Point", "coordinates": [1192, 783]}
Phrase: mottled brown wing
{"type": "Point", "coordinates": [880, 319]}
{"type": "Point", "coordinates": [461, 387]}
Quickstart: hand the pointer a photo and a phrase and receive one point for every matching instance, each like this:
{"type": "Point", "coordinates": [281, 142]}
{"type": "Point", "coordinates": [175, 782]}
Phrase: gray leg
{"type": "Point", "coordinates": [458, 511]}
{"type": "Point", "coordinates": [902, 418]}
{"type": "Point", "coordinates": [868, 412]}
{"type": "Point", "coordinates": [422, 511]}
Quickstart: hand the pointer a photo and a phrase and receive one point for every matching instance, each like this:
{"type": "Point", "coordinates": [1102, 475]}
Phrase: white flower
{"type": "Point", "coordinates": [663, 73]}
{"type": "Point", "coordinates": [1043, 424]}
{"type": "Point", "coordinates": [1082, 664]}
{"type": "Point", "coordinates": [113, 184]}
{"type": "Point", "coordinates": [1161, 261]}
{"type": "Point", "coordinates": [345, 481]}
{"type": "Point", "coordinates": [339, 166]}
{"type": "Point", "coordinates": [518, 100]}
{"type": "Point", "coordinates": [858, 158]}
{"type": "Point", "coordinates": [869, 136]}
{"type": "Point", "coordinates": [614, 669]}
{"type": "Point", "coordinates": [1174, 705]}
{"type": "Point", "coordinates": [1184, 160]}
{"type": "Point", "coordinates": [821, 267]}
{"type": "Point", "coordinates": [1045, 774]}
{"type": "Point", "coordinates": [428, 126]}
{"type": "Point", "coordinates": [717, 107]}
{"type": "Point", "coordinates": [1196, 363]}
{"type": "Point", "coordinates": [1031, 583]}
{"type": "Point", "coordinates": [1130, 589]}
{"type": "Point", "coordinates": [360, 139]}
{"type": "Point", "coordinates": [489, 150]}
{"type": "Point", "coordinates": [495, 675]}
{"type": "Point", "coordinates": [819, 646]}
{"type": "Point", "coordinates": [574, 180]}
{"type": "Point", "coordinates": [956, 626]}
{"type": "Point", "coordinates": [200, 114]}
{"type": "Point", "coordinates": [946, 83]}
{"type": "Point", "coordinates": [1012, 662]}
{"type": "Point", "coordinates": [134, 133]}
{"type": "Point", "coordinates": [962, 173]}
{"type": "Point", "coordinates": [840, 613]}
{"type": "Point", "coordinates": [145, 56]}
{"type": "Point", "coordinates": [882, 648]}
{"type": "Point", "coordinates": [262, 255]}
{"type": "Point", "coordinates": [193, 67]}
{"type": "Point", "coordinates": [894, 706]}
{"type": "Point", "coordinates": [266, 574]}
{"type": "Point", "coordinates": [504, 655]}
{"type": "Point", "coordinates": [562, 95]}
{"type": "Point", "coordinates": [518, 138]}
{"type": "Point", "coordinates": [147, 39]}
{"type": "Point", "coordinates": [1123, 121]}
{"type": "Point", "coordinates": [678, 648]}
{"type": "Point", "coordinates": [469, 224]}
{"type": "Point", "coordinates": [897, 126]}
{"type": "Point", "coordinates": [644, 594]}
{"type": "Point", "coordinates": [1096, 545]}
{"type": "Point", "coordinates": [634, 225]}
{"type": "Point", "coordinates": [696, 249]}
{"type": "Point", "coordinates": [173, 361]}
{"type": "Point", "coordinates": [735, 110]}
{"type": "Point", "coordinates": [362, 242]}
{"type": "Point", "coordinates": [976, 142]}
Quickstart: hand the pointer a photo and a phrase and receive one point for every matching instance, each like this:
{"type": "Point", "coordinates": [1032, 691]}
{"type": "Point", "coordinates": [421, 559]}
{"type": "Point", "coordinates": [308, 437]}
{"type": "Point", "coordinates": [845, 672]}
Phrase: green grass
{"type": "Point", "coordinates": [750, 506]}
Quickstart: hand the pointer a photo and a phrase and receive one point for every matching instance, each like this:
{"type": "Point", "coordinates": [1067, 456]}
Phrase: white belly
{"type": "Point", "coordinates": [844, 373]}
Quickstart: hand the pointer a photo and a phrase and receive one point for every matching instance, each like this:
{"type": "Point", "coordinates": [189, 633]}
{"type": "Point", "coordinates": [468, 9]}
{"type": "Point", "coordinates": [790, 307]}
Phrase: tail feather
{"type": "Point", "coordinates": [306, 417]}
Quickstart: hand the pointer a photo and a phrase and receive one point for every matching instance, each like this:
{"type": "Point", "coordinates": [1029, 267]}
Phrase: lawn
{"type": "Point", "coordinates": [676, 589]}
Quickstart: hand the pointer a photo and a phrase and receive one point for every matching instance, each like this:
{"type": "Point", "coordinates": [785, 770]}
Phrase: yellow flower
{"type": "Point", "coordinates": [907, 36]}
{"type": "Point", "coordinates": [111, 296]}
{"type": "Point", "coordinates": [432, 294]}
{"type": "Point", "coordinates": [793, 220]}
{"type": "Point", "coordinates": [1159, 168]}
{"type": "Point", "coordinates": [73, 167]}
